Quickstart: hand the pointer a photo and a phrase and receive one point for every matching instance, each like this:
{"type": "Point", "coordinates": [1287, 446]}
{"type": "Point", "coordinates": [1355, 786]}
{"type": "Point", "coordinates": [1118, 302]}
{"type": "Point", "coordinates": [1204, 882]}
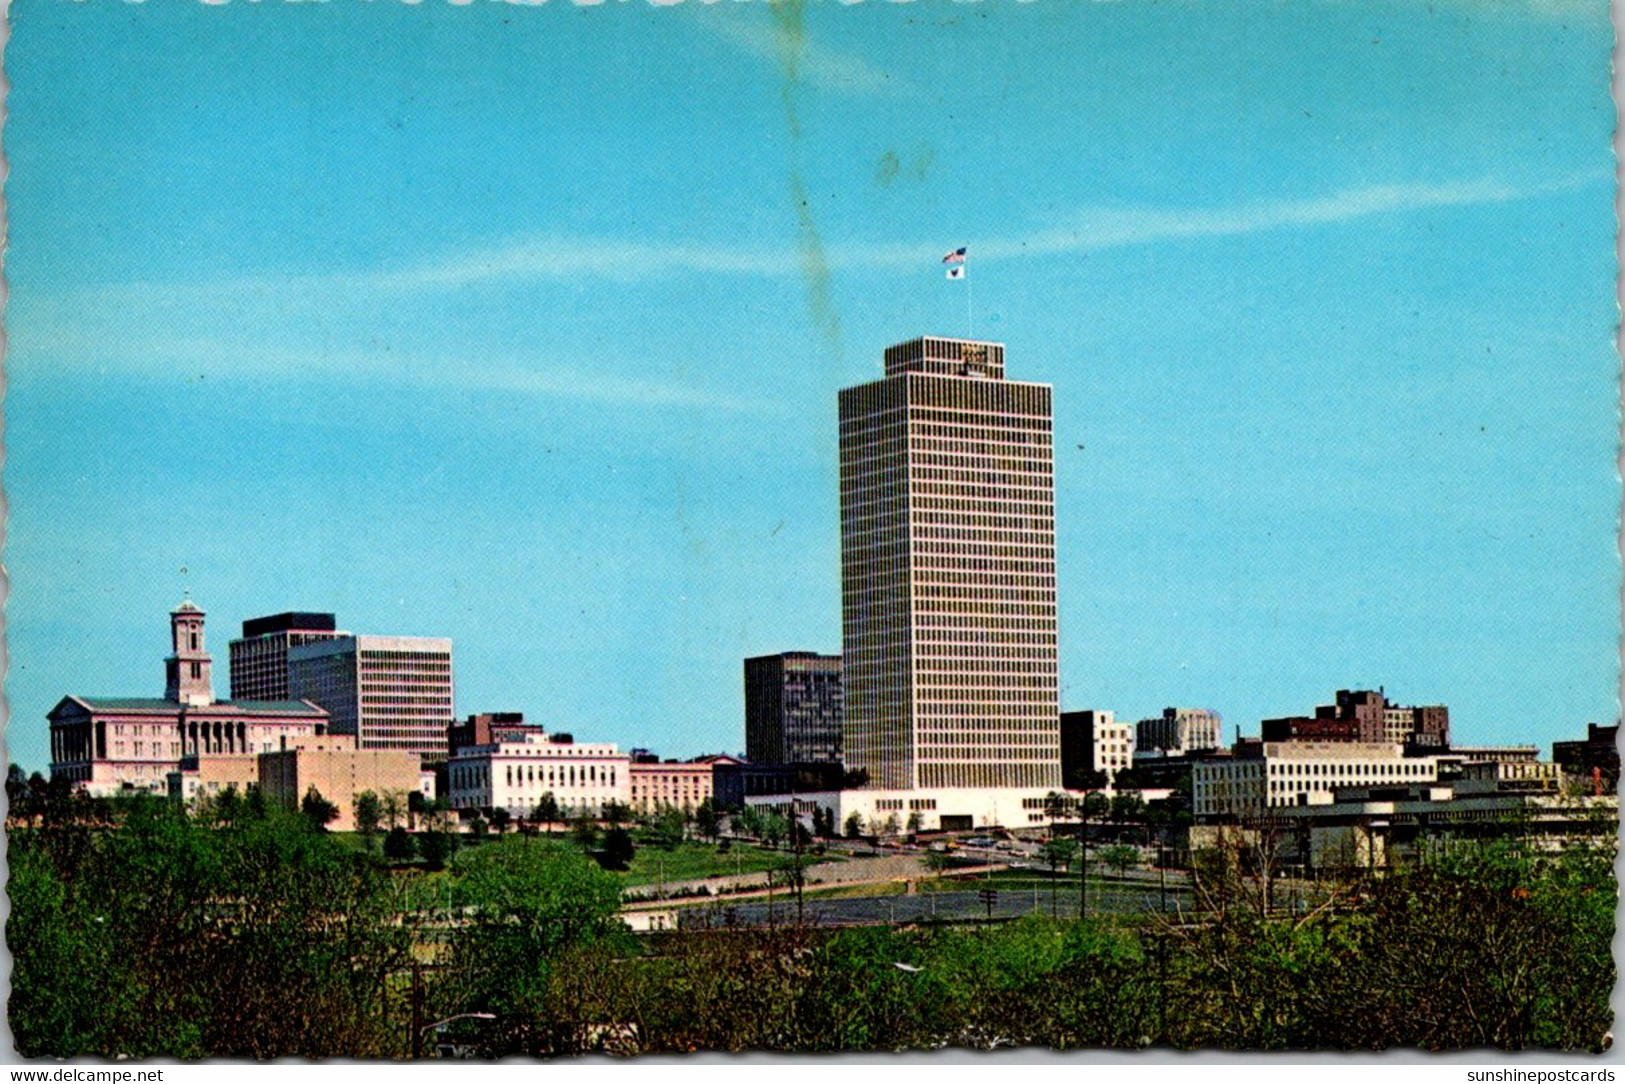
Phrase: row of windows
{"type": "Point", "coordinates": [931, 544]}
{"type": "Point", "coordinates": [1037, 480]}
{"type": "Point", "coordinates": [1021, 511]}
{"type": "Point", "coordinates": [1019, 617]}
{"type": "Point", "coordinates": [983, 588]}
{"type": "Point", "coordinates": [960, 664]}
{"type": "Point", "coordinates": [1034, 707]}
{"type": "Point", "coordinates": [1006, 428]}
{"type": "Point", "coordinates": [989, 775]}
{"type": "Point", "coordinates": [933, 574]}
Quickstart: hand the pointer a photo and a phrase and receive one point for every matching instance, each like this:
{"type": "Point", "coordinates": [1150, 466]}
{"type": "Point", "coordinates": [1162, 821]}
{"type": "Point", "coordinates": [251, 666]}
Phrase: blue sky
{"type": "Point", "coordinates": [524, 326]}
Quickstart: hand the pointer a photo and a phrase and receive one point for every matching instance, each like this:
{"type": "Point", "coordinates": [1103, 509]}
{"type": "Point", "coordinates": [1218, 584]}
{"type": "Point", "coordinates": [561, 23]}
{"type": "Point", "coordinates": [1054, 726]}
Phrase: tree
{"type": "Point", "coordinates": [853, 829]}
{"type": "Point", "coordinates": [528, 903]}
{"type": "Point", "coordinates": [618, 849]}
{"type": "Point", "coordinates": [1120, 857]}
{"type": "Point", "coordinates": [547, 810]}
{"type": "Point", "coordinates": [1058, 806]}
{"type": "Point", "coordinates": [394, 808]}
{"type": "Point", "coordinates": [1058, 852]}
{"type": "Point", "coordinates": [774, 829]}
{"type": "Point", "coordinates": [398, 845]}
{"type": "Point", "coordinates": [369, 813]}
{"type": "Point", "coordinates": [318, 810]}
{"type": "Point", "coordinates": [615, 813]}
{"type": "Point", "coordinates": [500, 819]}
{"type": "Point", "coordinates": [227, 809]}
{"type": "Point", "coordinates": [39, 795]}
{"type": "Point", "coordinates": [914, 822]}
{"type": "Point", "coordinates": [707, 820]}
{"type": "Point", "coordinates": [890, 827]}
{"type": "Point", "coordinates": [1128, 807]}
{"type": "Point", "coordinates": [436, 847]}
{"type": "Point", "coordinates": [16, 791]}
{"type": "Point", "coordinates": [748, 822]}
{"type": "Point", "coordinates": [666, 828]}
{"type": "Point", "coordinates": [585, 832]}
{"type": "Point", "coordinates": [936, 861]}
{"type": "Point", "coordinates": [1086, 779]}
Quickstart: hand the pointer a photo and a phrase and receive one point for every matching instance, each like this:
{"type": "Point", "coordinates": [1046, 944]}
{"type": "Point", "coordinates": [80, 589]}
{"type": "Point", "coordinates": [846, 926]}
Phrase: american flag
{"type": "Point", "coordinates": [956, 256]}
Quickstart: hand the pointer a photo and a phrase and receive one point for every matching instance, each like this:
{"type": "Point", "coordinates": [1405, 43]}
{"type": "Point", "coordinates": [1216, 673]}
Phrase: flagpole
{"type": "Point", "coordinates": [969, 325]}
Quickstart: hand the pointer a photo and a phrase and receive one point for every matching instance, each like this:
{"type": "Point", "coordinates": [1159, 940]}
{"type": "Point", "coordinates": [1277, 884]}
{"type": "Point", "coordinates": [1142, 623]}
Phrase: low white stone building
{"type": "Point", "coordinates": [944, 809]}
{"type": "Point", "coordinates": [1271, 776]}
{"type": "Point", "coordinates": [515, 773]}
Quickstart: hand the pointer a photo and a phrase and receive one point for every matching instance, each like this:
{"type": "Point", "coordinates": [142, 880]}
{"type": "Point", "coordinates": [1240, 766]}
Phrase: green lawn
{"type": "Point", "coordinates": [696, 861]}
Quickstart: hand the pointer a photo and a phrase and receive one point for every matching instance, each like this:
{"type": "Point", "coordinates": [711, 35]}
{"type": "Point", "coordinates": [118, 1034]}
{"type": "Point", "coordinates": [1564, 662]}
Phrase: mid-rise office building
{"type": "Point", "coordinates": [1179, 732]}
{"type": "Point", "coordinates": [1094, 748]}
{"type": "Point", "coordinates": [259, 659]}
{"type": "Point", "coordinates": [388, 692]}
{"type": "Point", "coordinates": [793, 708]}
{"type": "Point", "coordinates": [948, 601]}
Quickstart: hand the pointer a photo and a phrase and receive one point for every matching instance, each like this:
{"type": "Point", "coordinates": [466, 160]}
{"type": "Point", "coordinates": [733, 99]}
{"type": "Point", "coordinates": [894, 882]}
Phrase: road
{"type": "Point", "coordinates": [946, 906]}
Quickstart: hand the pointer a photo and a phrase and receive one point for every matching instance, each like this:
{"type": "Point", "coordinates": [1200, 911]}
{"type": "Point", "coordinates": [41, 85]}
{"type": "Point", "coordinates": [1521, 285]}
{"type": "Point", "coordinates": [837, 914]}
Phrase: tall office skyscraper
{"type": "Point", "coordinates": [948, 573]}
{"type": "Point", "coordinates": [391, 692]}
{"type": "Point", "coordinates": [259, 660]}
{"type": "Point", "coordinates": [793, 708]}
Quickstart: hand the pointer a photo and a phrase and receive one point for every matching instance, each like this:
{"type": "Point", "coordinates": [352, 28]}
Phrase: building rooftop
{"type": "Point", "coordinates": [292, 621]}
{"type": "Point", "coordinates": [159, 705]}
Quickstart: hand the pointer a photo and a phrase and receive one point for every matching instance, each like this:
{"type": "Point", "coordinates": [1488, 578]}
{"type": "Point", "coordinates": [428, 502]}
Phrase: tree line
{"type": "Point", "coordinates": [140, 929]}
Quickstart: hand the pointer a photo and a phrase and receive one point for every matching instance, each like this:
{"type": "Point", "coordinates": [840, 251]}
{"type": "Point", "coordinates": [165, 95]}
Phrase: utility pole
{"type": "Point", "coordinates": [1162, 873]}
{"type": "Point", "coordinates": [1083, 869]}
{"type": "Point", "coordinates": [417, 1012]}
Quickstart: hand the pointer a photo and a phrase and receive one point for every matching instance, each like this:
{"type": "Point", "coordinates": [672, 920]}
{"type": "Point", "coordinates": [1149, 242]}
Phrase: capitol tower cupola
{"type": "Point", "coordinates": [187, 668]}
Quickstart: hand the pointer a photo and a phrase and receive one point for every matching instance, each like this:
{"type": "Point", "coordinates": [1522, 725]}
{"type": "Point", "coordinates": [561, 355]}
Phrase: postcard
{"type": "Point", "coordinates": [555, 529]}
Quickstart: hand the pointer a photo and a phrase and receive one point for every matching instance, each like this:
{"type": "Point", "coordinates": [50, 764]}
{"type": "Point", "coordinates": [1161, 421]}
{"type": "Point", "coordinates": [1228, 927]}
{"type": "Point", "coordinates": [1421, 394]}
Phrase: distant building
{"type": "Point", "coordinates": [259, 660]}
{"type": "Point", "coordinates": [487, 728]}
{"type": "Point", "coordinates": [734, 781]}
{"type": "Point", "coordinates": [1596, 757]}
{"type": "Point", "coordinates": [671, 784]}
{"type": "Point", "coordinates": [387, 692]}
{"type": "Point", "coordinates": [338, 771]}
{"type": "Point", "coordinates": [1179, 731]}
{"type": "Point", "coordinates": [203, 776]}
{"type": "Point", "coordinates": [114, 745]}
{"type": "Point", "coordinates": [1091, 742]}
{"type": "Point", "coordinates": [793, 708]}
{"type": "Point", "coordinates": [1361, 715]}
{"type": "Point", "coordinates": [1264, 778]}
{"type": "Point", "coordinates": [513, 773]}
{"type": "Point", "coordinates": [1376, 825]}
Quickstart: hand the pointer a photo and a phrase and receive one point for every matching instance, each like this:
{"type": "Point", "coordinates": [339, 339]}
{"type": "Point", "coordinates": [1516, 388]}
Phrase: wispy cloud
{"type": "Point", "coordinates": [812, 61]}
{"type": "Point", "coordinates": [517, 375]}
{"type": "Point", "coordinates": [1084, 230]}
{"type": "Point", "coordinates": [1094, 229]}
{"type": "Point", "coordinates": [585, 259]}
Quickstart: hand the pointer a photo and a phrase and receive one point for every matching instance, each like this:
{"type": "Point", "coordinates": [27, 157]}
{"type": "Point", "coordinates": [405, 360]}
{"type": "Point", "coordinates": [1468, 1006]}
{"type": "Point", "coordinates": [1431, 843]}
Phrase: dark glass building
{"type": "Point", "coordinates": [793, 709]}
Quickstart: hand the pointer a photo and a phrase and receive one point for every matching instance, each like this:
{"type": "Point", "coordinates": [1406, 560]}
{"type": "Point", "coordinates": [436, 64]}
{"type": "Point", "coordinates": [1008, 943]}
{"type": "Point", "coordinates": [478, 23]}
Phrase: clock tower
{"type": "Point", "coordinates": [187, 667]}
